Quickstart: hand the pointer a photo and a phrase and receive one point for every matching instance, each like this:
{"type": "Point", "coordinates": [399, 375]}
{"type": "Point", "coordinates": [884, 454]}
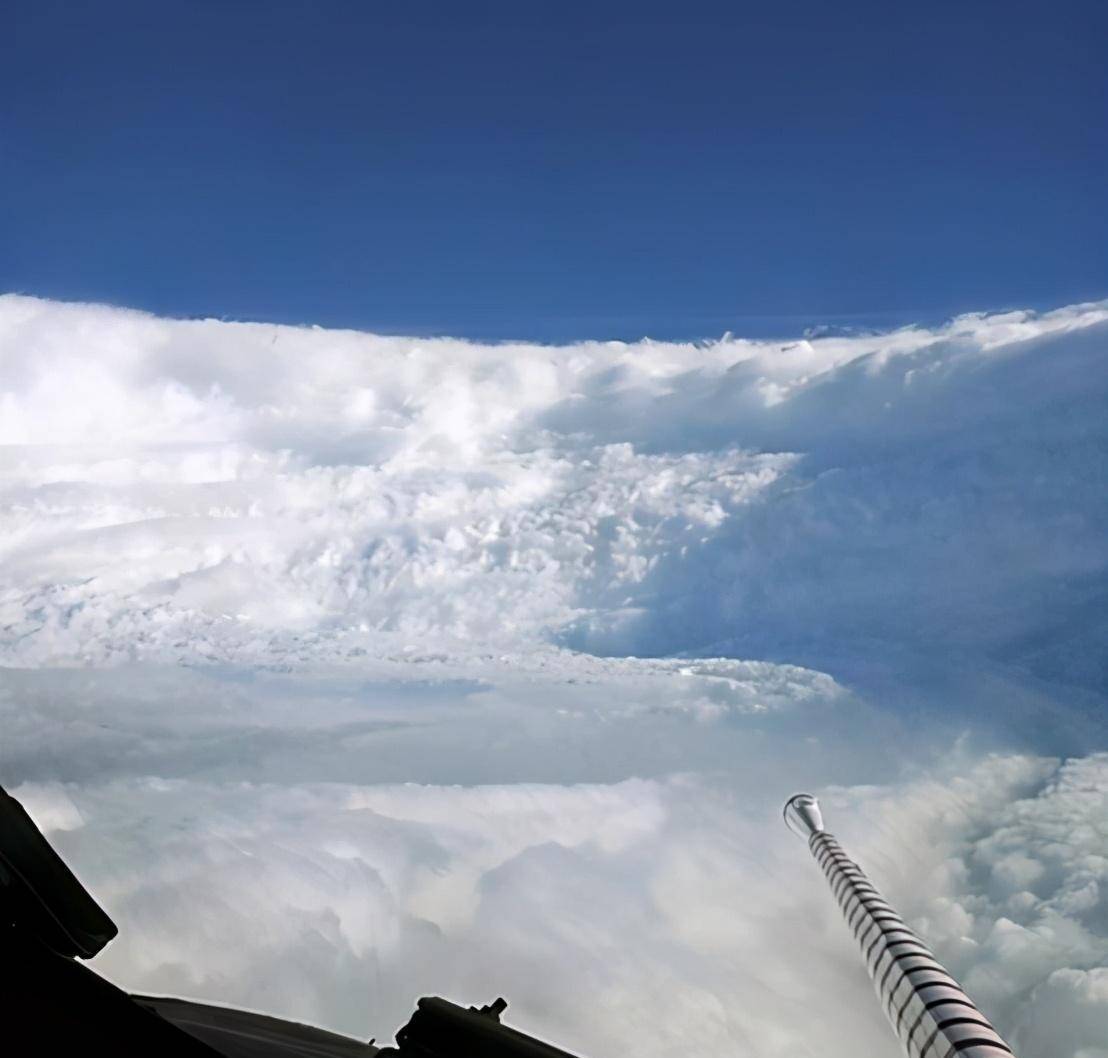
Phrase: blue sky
{"type": "Point", "coordinates": [555, 171]}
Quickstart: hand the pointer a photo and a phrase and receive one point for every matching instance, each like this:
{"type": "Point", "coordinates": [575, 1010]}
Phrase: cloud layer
{"type": "Point", "coordinates": [643, 914]}
{"type": "Point", "coordinates": [347, 668]}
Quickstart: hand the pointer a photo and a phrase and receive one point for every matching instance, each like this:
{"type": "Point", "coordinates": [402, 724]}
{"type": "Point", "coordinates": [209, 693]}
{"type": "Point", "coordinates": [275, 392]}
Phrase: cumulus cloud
{"type": "Point", "coordinates": [636, 914]}
{"type": "Point", "coordinates": [347, 668]}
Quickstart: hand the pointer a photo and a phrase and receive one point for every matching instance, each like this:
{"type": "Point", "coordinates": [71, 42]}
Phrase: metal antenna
{"type": "Point", "coordinates": [930, 1013]}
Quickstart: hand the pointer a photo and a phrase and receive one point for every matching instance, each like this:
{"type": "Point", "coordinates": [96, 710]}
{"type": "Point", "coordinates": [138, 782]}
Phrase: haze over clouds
{"type": "Point", "coordinates": [347, 668]}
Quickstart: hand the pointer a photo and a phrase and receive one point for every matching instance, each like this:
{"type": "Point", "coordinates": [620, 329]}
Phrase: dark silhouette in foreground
{"type": "Point", "coordinates": [52, 1004]}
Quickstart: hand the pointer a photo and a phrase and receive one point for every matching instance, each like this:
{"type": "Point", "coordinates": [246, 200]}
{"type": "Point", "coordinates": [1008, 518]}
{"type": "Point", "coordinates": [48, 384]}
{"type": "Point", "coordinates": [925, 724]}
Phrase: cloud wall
{"type": "Point", "coordinates": [347, 668]}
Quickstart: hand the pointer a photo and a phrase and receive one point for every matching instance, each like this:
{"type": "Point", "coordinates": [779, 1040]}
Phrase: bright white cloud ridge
{"type": "Point", "coordinates": [347, 668]}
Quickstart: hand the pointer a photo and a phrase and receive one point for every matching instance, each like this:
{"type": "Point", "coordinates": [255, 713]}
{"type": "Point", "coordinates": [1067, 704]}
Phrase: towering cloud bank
{"type": "Point", "coordinates": [627, 595]}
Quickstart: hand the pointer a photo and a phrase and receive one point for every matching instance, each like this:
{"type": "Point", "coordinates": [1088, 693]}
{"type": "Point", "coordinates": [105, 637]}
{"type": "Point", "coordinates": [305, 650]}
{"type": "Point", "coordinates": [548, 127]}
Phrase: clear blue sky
{"type": "Point", "coordinates": [555, 170]}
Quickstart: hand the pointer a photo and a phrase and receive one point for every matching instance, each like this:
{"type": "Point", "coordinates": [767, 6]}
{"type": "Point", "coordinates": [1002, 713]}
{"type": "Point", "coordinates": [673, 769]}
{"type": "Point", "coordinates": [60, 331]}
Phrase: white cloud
{"type": "Point", "coordinates": [259, 581]}
{"type": "Point", "coordinates": [590, 904]}
{"type": "Point", "coordinates": [1067, 1013]}
{"type": "Point", "coordinates": [919, 487]}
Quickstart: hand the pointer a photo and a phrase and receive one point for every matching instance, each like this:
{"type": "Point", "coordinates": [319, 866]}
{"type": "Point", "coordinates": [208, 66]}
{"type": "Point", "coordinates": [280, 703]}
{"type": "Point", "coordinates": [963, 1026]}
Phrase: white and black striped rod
{"type": "Point", "coordinates": [930, 1013]}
